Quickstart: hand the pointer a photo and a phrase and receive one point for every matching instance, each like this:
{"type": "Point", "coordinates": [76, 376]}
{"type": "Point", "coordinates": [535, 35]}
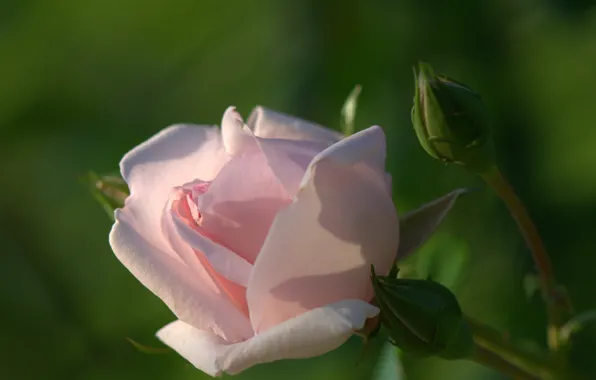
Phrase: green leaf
{"type": "Point", "coordinates": [109, 190]}
{"type": "Point", "coordinates": [348, 111]}
{"type": "Point", "coordinates": [418, 225]}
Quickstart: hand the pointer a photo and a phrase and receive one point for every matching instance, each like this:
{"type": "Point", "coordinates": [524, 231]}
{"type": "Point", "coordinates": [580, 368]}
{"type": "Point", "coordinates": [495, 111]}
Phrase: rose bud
{"type": "Point", "coordinates": [451, 121]}
{"type": "Point", "coordinates": [423, 317]}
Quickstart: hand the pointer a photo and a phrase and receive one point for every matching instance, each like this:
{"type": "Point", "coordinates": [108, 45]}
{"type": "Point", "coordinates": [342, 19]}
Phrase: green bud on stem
{"type": "Point", "coordinates": [451, 121]}
{"type": "Point", "coordinates": [423, 317]}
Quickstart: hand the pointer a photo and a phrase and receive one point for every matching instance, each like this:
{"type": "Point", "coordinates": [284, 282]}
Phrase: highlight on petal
{"type": "Point", "coordinates": [368, 146]}
{"type": "Point", "coordinates": [236, 136]}
{"type": "Point", "coordinates": [311, 334]}
{"type": "Point", "coordinates": [271, 124]}
{"type": "Point", "coordinates": [320, 248]}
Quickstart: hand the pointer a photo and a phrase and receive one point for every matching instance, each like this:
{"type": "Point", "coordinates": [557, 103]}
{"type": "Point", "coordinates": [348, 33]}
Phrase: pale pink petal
{"type": "Point", "coordinates": [175, 156]}
{"type": "Point", "coordinates": [236, 137]}
{"type": "Point", "coordinates": [270, 124]}
{"type": "Point", "coordinates": [288, 159]}
{"type": "Point", "coordinates": [240, 205]}
{"type": "Point", "coordinates": [227, 271]}
{"type": "Point", "coordinates": [320, 248]}
{"type": "Point", "coordinates": [224, 261]}
{"type": "Point", "coordinates": [311, 334]}
{"type": "Point", "coordinates": [366, 146]}
{"type": "Point", "coordinates": [190, 294]}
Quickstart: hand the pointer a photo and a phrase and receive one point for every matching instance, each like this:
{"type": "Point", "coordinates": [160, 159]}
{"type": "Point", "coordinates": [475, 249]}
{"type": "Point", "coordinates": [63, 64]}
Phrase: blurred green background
{"type": "Point", "coordinates": [82, 82]}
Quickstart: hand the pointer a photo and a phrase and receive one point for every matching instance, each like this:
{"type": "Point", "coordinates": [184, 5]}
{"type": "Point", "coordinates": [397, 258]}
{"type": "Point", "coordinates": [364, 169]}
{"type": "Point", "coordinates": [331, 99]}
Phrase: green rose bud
{"type": "Point", "coordinates": [451, 121]}
{"type": "Point", "coordinates": [423, 317]}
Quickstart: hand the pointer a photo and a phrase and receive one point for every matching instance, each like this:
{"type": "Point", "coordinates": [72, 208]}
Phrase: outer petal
{"type": "Point", "coordinates": [270, 124]}
{"type": "Point", "coordinates": [311, 334]}
{"type": "Point", "coordinates": [191, 295]}
{"type": "Point", "coordinates": [320, 248]}
{"type": "Point", "coordinates": [175, 156]}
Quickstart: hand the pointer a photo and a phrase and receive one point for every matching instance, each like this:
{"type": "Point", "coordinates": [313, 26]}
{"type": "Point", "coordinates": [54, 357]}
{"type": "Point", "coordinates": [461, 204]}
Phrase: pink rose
{"type": "Point", "coordinates": [258, 237]}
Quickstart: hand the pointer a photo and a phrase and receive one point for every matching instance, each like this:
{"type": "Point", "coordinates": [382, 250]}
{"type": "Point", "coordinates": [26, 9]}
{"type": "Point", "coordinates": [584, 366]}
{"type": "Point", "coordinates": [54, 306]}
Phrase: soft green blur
{"type": "Point", "coordinates": [81, 82]}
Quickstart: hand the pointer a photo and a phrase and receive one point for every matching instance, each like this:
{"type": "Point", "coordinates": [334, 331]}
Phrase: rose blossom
{"type": "Point", "coordinates": [259, 237]}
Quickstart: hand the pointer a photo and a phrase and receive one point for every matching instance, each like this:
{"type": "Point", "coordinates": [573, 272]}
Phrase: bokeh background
{"type": "Point", "coordinates": [82, 82]}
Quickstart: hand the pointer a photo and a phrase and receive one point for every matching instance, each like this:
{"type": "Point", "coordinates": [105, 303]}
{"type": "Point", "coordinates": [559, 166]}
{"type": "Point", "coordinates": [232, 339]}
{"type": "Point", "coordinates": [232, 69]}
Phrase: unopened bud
{"type": "Point", "coordinates": [423, 317]}
{"type": "Point", "coordinates": [451, 121]}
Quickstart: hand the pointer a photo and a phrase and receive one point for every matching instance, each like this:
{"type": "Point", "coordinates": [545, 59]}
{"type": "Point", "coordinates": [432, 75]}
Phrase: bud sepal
{"type": "Point", "coordinates": [423, 317]}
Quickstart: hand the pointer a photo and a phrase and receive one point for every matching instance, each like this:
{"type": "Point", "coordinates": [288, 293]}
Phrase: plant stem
{"type": "Point", "coordinates": [495, 350]}
{"type": "Point", "coordinates": [494, 341]}
{"type": "Point", "coordinates": [557, 303]}
{"type": "Point", "coordinates": [490, 359]}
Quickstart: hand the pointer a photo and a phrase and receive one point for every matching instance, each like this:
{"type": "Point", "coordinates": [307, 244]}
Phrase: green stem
{"type": "Point", "coordinates": [490, 359]}
{"type": "Point", "coordinates": [494, 349]}
{"type": "Point", "coordinates": [557, 303]}
{"type": "Point", "coordinates": [532, 362]}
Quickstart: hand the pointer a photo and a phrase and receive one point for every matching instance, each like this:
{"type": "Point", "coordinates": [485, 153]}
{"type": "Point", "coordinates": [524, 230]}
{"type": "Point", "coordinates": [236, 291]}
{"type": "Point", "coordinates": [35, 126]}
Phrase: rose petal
{"type": "Point", "coordinates": [288, 159]}
{"type": "Point", "coordinates": [311, 334]}
{"type": "Point", "coordinates": [236, 137]}
{"type": "Point", "coordinates": [228, 271]}
{"type": "Point", "coordinates": [365, 146]}
{"type": "Point", "coordinates": [320, 248]}
{"type": "Point", "coordinates": [175, 156]}
{"type": "Point", "coordinates": [270, 124]}
{"type": "Point", "coordinates": [190, 294]}
{"type": "Point", "coordinates": [240, 205]}
{"type": "Point", "coordinates": [224, 261]}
